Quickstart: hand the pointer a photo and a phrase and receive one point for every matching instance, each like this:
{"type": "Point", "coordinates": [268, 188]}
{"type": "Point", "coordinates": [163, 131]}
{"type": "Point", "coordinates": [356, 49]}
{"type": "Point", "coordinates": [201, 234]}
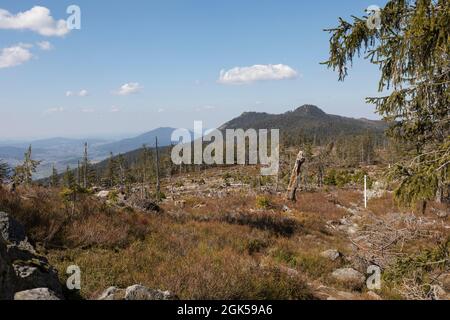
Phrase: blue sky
{"type": "Point", "coordinates": [172, 52]}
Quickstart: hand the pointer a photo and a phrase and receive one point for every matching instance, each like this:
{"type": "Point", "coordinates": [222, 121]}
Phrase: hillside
{"type": "Point", "coordinates": [307, 120]}
{"type": "Point", "coordinates": [63, 152]}
{"type": "Point", "coordinates": [148, 138]}
{"type": "Point", "coordinates": [209, 218]}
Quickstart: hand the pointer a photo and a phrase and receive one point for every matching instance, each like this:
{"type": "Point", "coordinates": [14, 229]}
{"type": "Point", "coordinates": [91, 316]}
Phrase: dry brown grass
{"type": "Point", "coordinates": [215, 259]}
{"type": "Point", "coordinates": [196, 260]}
{"type": "Point", "coordinates": [230, 247]}
{"type": "Point", "coordinates": [51, 221]}
{"type": "Point", "coordinates": [321, 204]}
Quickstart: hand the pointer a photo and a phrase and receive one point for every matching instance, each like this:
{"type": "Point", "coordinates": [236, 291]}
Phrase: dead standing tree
{"type": "Point", "coordinates": [293, 183]}
{"type": "Point", "coordinates": [158, 183]}
{"type": "Point", "coordinates": [322, 161]}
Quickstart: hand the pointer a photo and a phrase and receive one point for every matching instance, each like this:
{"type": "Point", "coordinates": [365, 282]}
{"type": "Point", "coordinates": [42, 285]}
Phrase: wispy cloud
{"type": "Point", "coordinates": [129, 88]}
{"type": "Point", "coordinates": [87, 110]}
{"type": "Point", "coordinates": [114, 109]}
{"type": "Point", "coordinates": [246, 75]}
{"type": "Point", "coordinates": [45, 45]}
{"type": "Point", "coordinates": [15, 55]}
{"type": "Point", "coordinates": [37, 19]}
{"type": "Point", "coordinates": [81, 93]}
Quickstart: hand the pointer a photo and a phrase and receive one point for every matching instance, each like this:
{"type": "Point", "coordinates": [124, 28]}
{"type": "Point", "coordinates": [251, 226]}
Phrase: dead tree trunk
{"type": "Point", "coordinates": [293, 183]}
{"type": "Point", "coordinates": [320, 175]}
{"type": "Point", "coordinates": [85, 165]}
{"type": "Point", "coordinates": [158, 183]}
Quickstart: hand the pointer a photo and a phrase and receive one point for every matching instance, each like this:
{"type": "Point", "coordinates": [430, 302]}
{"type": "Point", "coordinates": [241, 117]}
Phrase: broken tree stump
{"type": "Point", "coordinates": [293, 183]}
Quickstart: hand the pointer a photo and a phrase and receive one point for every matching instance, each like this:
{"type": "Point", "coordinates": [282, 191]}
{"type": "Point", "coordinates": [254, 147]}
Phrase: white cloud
{"type": "Point", "coordinates": [161, 110]}
{"type": "Point", "coordinates": [129, 88]}
{"type": "Point", "coordinates": [54, 110]}
{"type": "Point", "coordinates": [82, 93]}
{"type": "Point", "coordinates": [87, 110]}
{"type": "Point", "coordinates": [45, 45]}
{"type": "Point", "coordinates": [114, 109]}
{"type": "Point", "coordinates": [37, 19]}
{"type": "Point", "coordinates": [245, 75]}
{"type": "Point", "coordinates": [14, 56]}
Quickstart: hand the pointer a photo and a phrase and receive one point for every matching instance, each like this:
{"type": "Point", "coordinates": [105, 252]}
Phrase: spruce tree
{"type": "Point", "coordinates": [111, 171]}
{"type": "Point", "coordinates": [69, 179]}
{"type": "Point", "coordinates": [4, 172]}
{"type": "Point", "coordinates": [411, 47]}
{"type": "Point", "coordinates": [23, 174]}
{"type": "Point", "coordinates": [54, 178]}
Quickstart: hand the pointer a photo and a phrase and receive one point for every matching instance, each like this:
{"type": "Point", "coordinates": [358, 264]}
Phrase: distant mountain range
{"type": "Point", "coordinates": [306, 121]}
{"type": "Point", "coordinates": [63, 152]}
{"type": "Point", "coordinates": [148, 138]}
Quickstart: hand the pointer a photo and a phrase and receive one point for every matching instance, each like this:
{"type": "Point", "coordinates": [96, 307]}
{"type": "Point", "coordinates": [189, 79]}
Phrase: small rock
{"type": "Point", "coordinates": [331, 254]}
{"type": "Point", "coordinates": [102, 194]}
{"type": "Point", "coordinates": [349, 276]}
{"type": "Point", "coordinates": [136, 292]}
{"type": "Point", "coordinates": [286, 209]}
{"type": "Point", "coordinates": [112, 293]}
{"type": "Point", "coordinates": [36, 294]}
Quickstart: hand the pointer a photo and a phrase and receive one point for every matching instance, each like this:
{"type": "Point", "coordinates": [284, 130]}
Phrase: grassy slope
{"type": "Point", "coordinates": [240, 245]}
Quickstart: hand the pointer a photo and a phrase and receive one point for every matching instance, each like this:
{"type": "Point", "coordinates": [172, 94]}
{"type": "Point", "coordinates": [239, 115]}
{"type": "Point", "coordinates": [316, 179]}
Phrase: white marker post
{"type": "Point", "coordinates": [365, 192]}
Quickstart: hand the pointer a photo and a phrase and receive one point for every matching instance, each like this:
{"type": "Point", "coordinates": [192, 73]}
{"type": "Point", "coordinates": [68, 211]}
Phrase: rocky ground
{"type": "Point", "coordinates": [223, 234]}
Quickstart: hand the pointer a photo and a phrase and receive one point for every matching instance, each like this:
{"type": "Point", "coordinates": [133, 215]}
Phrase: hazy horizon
{"type": "Point", "coordinates": [114, 135]}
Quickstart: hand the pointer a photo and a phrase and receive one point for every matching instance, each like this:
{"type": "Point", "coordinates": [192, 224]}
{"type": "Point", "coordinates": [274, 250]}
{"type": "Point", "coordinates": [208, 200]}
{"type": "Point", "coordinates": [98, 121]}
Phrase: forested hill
{"type": "Point", "coordinates": [307, 121]}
